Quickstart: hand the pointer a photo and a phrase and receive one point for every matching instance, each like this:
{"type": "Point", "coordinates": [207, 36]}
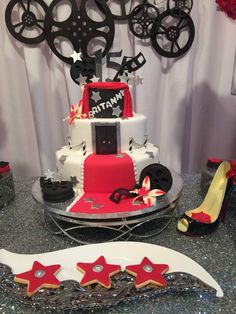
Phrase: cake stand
{"type": "Point", "coordinates": [90, 228]}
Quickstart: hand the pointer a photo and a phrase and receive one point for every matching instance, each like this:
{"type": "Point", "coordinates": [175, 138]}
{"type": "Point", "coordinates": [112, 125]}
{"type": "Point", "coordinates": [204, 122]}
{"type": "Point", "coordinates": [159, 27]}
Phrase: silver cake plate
{"type": "Point", "coordinates": [136, 224]}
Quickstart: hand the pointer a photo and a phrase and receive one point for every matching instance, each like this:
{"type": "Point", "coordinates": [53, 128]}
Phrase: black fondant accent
{"type": "Point", "coordinates": [107, 104]}
{"type": "Point", "coordinates": [159, 175]}
{"type": "Point", "coordinates": [86, 67]}
{"type": "Point", "coordinates": [106, 139]}
{"type": "Point", "coordinates": [120, 193]}
{"type": "Point", "coordinates": [169, 27]}
{"type": "Point", "coordinates": [57, 191]}
{"type": "Point", "coordinates": [79, 29]}
{"type": "Point", "coordinates": [29, 21]}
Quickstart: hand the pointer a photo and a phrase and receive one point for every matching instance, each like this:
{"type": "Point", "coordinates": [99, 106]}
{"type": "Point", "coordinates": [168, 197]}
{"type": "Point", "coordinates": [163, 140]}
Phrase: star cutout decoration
{"type": "Point", "coordinates": [138, 80]}
{"type": "Point", "coordinates": [96, 206]}
{"type": "Point", "coordinates": [82, 80]}
{"type": "Point", "coordinates": [74, 180]}
{"type": "Point", "coordinates": [63, 159]}
{"type": "Point", "coordinates": [116, 111]}
{"type": "Point", "coordinates": [49, 174]}
{"type": "Point", "coordinates": [95, 79]}
{"type": "Point", "coordinates": [76, 56]}
{"type": "Point", "coordinates": [39, 277]}
{"type": "Point", "coordinates": [96, 96]}
{"type": "Point", "coordinates": [148, 273]}
{"type": "Point", "coordinates": [98, 272]}
{"type": "Point", "coordinates": [150, 154]}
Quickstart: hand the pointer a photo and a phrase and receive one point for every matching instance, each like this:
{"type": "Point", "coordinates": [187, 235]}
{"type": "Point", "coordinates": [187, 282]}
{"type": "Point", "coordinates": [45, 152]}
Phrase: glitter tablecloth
{"type": "Point", "coordinates": [22, 231]}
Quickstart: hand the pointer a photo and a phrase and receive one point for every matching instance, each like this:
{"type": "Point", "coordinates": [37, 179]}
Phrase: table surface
{"type": "Point", "coordinates": [22, 231]}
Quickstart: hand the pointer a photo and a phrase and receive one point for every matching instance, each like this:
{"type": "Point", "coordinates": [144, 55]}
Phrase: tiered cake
{"type": "Point", "coordinates": [108, 145]}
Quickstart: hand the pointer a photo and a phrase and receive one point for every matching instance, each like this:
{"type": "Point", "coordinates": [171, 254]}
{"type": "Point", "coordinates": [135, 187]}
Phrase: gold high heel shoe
{"type": "Point", "coordinates": [205, 218]}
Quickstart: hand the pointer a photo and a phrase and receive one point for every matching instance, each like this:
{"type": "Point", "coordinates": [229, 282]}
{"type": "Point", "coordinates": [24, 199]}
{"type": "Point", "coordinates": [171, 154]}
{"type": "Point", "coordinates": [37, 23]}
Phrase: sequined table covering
{"type": "Point", "coordinates": [22, 231]}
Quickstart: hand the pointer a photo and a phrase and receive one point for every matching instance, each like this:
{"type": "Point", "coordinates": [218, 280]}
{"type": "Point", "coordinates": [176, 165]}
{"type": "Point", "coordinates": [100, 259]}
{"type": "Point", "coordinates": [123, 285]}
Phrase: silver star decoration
{"type": "Point", "coordinates": [138, 80]}
{"type": "Point", "coordinates": [82, 80]}
{"type": "Point", "coordinates": [63, 159]}
{"type": "Point", "coordinates": [57, 177]}
{"type": "Point", "coordinates": [49, 174]}
{"type": "Point", "coordinates": [116, 111]}
{"type": "Point", "coordinates": [88, 200]}
{"type": "Point", "coordinates": [119, 156]}
{"type": "Point", "coordinates": [150, 154]}
{"type": "Point", "coordinates": [76, 56]}
{"type": "Point", "coordinates": [95, 79]}
{"type": "Point", "coordinates": [123, 77]}
{"type": "Point", "coordinates": [96, 206]}
{"type": "Point", "coordinates": [74, 180]}
{"type": "Point", "coordinates": [96, 97]}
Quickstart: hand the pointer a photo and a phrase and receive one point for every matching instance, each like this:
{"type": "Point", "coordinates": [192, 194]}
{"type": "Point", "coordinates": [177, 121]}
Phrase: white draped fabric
{"type": "Point", "coordinates": [191, 112]}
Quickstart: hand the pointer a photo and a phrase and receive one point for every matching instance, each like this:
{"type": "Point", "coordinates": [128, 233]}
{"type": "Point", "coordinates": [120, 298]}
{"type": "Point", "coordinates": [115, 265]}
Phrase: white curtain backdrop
{"type": "Point", "coordinates": [191, 112]}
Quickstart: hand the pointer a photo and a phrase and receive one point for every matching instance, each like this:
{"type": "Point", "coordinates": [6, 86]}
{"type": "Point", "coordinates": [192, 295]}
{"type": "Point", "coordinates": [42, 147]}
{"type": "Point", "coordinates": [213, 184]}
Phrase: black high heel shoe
{"type": "Point", "coordinates": [205, 218]}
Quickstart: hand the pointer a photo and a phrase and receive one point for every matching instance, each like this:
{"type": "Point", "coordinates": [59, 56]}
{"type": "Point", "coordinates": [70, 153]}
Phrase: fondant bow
{"type": "Point", "coordinates": [148, 196]}
{"type": "Point", "coordinates": [76, 112]}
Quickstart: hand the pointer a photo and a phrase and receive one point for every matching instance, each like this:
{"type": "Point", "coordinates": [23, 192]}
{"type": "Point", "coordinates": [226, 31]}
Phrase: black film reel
{"type": "Point", "coordinates": [167, 40]}
{"type": "Point", "coordinates": [79, 29]}
{"type": "Point", "coordinates": [141, 20]}
{"type": "Point", "coordinates": [125, 8]}
{"type": "Point", "coordinates": [177, 8]}
{"type": "Point", "coordinates": [29, 29]}
{"type": "Point", "coordinates": [159, 175]}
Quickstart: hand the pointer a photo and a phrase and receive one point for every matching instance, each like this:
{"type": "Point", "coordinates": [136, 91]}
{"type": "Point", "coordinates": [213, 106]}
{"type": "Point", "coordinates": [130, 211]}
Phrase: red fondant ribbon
{"type": "Point", "coordinates": [127, 111]}
{"type": "Point", "coordinates": [228, 6]}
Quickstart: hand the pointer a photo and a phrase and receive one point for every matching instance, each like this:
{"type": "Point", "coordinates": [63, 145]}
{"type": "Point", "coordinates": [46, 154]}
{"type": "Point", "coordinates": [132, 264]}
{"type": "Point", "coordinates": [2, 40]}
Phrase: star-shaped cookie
{"type": "Point", "coordinates": [98, 272]}
{"type": "Point", "coordinates": [39, 277]}
{"type": "Point", "coordinates": [148, 273]}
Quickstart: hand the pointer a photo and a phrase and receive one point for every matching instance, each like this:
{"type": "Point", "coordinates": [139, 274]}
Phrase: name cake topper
{"type": "Point", "coordinates": [106, 103]}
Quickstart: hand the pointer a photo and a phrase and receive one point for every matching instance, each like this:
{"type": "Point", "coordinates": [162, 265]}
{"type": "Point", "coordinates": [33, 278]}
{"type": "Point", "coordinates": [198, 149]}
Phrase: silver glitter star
{"type": "Point", "coordinates": [49, 174]}
{"type": "Point", "coordinates": [88, 200]}
{"type": "Point", "coordinates": [76, 56]}
{"type": "Point", "coordinates": [57, 177]}
{"type": "Point", "coordinates": [82, 80]}
{"type": "Point", "coordinates": [96, 96]}
{"type": "Point", "coordinates": [95, 79]}
{"type": "Point", "coordinates": [123, 77]}
{"type": "Point", "coordinates": [116, 111]}
{"type": "Point", "coordinates": [138, 80]}
{"type": "Point", "coordinates": [63, 159]}
{"type": "Point", "coordinates": [119, 156]}
{"type": "Point", "coordinates": [96, 206]}
{"type": "Point", "coordinates": [74, 180]}
{"type": "Point", "coordinates": [150, 154]}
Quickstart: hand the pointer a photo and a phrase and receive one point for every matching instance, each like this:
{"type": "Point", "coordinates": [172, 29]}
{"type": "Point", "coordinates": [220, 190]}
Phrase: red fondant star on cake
{"type": "Point", "coordinates": [98, 272]}
{"type": "Point", "coordinates": [148, 273]}
{"type": "Point", "coordinates": [39, 277]}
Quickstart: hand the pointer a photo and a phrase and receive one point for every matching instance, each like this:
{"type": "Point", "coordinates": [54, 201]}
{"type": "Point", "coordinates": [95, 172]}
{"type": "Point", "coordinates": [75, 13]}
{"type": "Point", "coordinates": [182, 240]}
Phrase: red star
{"type": "Point", "coordinates": [98, 272]}
{"type": "Point", "coordinates": [146, 272]}
{"type": "Point", "coordinates": [39, 277]}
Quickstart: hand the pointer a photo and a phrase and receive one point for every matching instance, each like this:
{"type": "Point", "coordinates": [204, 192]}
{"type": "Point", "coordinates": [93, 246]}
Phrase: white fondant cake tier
{"type": "Point", "coordinates": [70, 162]}
{"type": "Point", "coordinates": [84, 131]}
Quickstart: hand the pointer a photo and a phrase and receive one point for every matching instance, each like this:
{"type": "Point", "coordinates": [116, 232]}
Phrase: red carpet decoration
{"type": "Point", "coordinates": [98, 272]}
{"type": "Point", "coordinates": [39, 277]}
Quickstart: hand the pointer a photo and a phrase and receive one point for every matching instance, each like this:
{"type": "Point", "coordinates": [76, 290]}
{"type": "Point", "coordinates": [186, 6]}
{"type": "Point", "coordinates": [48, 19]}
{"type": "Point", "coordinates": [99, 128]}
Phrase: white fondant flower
{"type": "Point", "coordinates": [148, 196]}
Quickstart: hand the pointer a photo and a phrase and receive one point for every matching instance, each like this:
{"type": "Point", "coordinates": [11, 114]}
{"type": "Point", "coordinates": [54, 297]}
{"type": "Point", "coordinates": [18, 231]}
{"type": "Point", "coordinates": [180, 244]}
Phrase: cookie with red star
{"type": "Point", "coordinates": [148, 273]}
{"type": "Point", "coordinates": [98, 272]}
{"type": "Point", "coordinates": [39, 277]}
